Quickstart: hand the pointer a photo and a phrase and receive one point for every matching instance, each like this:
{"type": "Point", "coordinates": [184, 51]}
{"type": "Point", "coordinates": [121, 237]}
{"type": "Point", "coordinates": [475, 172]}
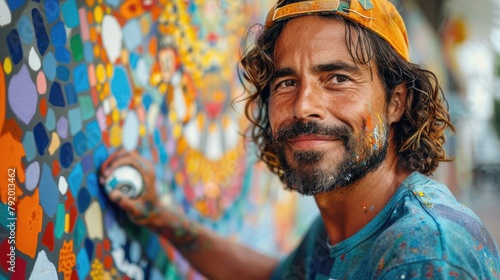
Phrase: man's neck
{"type": "Point", "coordinates": [348, 209]}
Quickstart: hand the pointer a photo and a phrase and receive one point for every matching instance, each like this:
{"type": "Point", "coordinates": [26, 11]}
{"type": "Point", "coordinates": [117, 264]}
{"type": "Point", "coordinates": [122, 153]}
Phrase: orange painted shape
{"type": "Point", "coordinates": [67, 259]}
{"type": "Point", "coordinates": [107, 244]}
{"type": "Point", "coordinates": [108, 262]}
{"type": "Point", "coordinates": [98, 250]}
{"type": "Point", "coordinates": [153, 47]}
{"type": "Point", "coordinates": [11, 151]}
{"type": "Point", "coordinates": [43, 107]}
{"type": "Point", "coordinates": [29, 224]}
{"type": "Point", "coordinates": [55, 168]}
{"type": "Point", "coordinates": [131, 8]}
{"type": "Point", "coordinates": [3, 97]}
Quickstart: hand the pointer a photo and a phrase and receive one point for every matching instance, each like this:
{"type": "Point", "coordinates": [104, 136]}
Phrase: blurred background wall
{"type": "Point", "coordinates": [82, 78]}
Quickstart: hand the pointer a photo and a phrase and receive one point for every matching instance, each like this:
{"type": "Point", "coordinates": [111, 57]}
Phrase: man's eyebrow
{"type": "Point", "coordinates": [283, 72]}
{"type": "Point", "coordinates": [333, 66]}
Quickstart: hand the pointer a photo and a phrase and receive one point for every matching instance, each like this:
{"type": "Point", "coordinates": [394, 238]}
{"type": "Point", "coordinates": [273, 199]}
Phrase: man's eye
{"type": "Point", "coordinates": [286, 83]}
{"type": "Point", "coordinates": [339, 79]}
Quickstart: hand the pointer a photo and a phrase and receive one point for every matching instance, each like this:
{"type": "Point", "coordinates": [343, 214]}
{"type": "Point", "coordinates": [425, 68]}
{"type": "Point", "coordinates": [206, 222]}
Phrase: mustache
{"type": "Point", "coordinates": [296, 129]}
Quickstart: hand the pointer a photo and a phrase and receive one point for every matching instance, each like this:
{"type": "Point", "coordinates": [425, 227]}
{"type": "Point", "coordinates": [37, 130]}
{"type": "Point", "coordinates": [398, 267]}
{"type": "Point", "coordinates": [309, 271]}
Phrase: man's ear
{"type": "Point", "coordinates": [397, 103]}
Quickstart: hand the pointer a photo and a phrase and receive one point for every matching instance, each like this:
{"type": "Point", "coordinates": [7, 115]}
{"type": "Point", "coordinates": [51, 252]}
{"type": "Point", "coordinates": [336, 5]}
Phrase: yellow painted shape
{"type": "Point", "coordinates": [115, 135]}
{"type": "Point", "coordinates": [98, 14]}
{"type": "Point", "coordinates": [100, 73]}
{"type": "Point", "coordinates": [54, 143]}
{"type": "Point", "coordinates": [7, 65]}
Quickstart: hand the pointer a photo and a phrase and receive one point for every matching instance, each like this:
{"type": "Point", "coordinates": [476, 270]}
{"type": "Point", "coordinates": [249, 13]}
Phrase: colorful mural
{"type": "Point", "coordinates": [82, 78]}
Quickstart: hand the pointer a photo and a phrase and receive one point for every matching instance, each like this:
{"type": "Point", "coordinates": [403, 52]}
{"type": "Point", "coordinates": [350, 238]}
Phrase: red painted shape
{"type": "Point", "coordinates": [48, 236]}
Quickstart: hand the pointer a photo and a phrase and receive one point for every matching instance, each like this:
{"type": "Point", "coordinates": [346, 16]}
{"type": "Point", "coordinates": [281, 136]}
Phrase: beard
{"type": "Point", "coordinates": [304, 172]}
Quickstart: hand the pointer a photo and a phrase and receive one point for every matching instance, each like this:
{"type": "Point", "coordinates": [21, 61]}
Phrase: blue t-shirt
{"type": "Point", "coordinates": [422, 233]}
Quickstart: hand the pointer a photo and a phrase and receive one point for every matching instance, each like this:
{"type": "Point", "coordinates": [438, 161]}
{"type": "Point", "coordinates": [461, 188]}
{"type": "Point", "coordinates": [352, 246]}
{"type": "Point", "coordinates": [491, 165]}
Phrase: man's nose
{"type": "Point", "coordinates": [309, 104]}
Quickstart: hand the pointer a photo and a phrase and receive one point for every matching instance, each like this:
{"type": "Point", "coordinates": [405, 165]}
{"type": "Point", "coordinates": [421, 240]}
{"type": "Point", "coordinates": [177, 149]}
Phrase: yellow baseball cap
{"type": "Point", "coordinates": [380, 16]}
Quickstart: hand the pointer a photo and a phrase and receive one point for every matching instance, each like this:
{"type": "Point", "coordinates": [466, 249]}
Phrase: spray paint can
{"type": "Point", "coordinates": [127, 180]}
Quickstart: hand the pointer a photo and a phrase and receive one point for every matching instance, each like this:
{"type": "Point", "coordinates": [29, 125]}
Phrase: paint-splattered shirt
{"type": "Point", "coordinates": [422, 233]}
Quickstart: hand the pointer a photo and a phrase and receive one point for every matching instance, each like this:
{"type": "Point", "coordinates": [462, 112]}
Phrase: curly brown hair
{"type": "Point", "coordinates": [419, 135]}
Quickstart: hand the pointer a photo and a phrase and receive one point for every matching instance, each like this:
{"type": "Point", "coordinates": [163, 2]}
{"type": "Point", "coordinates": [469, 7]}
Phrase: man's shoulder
{"type": "Point", "coordinates": [429, 225]}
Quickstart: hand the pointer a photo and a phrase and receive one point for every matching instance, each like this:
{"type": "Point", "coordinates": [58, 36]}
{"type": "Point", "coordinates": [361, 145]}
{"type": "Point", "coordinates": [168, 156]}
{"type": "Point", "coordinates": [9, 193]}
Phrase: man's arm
{"type": "Point", "coordinates": [212, 255]}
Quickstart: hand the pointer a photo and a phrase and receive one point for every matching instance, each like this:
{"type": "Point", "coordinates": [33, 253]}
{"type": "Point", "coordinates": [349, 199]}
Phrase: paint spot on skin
{"type": "Point", "coordinates": [76, 47]}
{"type": "Point", "coordinates": [22, 95]}
{"type": "Point", "coordinates": [43, 268]}
{"type": "Point", "coordinates": [134, 36]}
{"type": "Point", "coordinates": [50, 120]}
{"type": "Point", "coordinates": [66, 155]}
{"type": "Point", "coordinates": [63, 55]}
{"type": "Point", "coordinates": [120, 88]}
{"type": "Point", "coordinates": [75, 120]}
{"type": "Point", "coordinates": [29, 145]}
{"type": "Point", "coordinates": [31, 225]}
{"type": "Point", "coordinates": [81, 79]}
{"type": "Point", "coordinates": [56, 97]}
{"type": "Point", "coordinates": [25, 29]}
{"type": "Point", "coordinates": [83, 200]}
{"type": "Point", "coordinates": [41, 138]}
{"type": "Point", "coordinates": [86, 107]}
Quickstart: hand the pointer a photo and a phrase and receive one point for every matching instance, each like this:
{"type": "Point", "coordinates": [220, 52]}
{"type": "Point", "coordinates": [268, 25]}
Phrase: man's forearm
{"type": "Point", "coordinates": [213, 256]}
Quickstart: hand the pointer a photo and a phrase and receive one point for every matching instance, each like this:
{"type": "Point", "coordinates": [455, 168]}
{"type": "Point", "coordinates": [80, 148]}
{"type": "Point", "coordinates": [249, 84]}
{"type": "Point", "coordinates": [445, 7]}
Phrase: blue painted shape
{"type": "Point", "coordinates": [25, 29]}
{"type": "Point", "coordinates": [113, 3]}
{"type": "Point", "coordinates": [42, 39]}
{"type": "Point", "coordinates": [58, 34]}
{"type": "Point", "coordinates": [146, 101]}
{"type": "Point", "coordinates": [89, 247]}
{"type": "Point", "coordinates": [133, 39]}
{"type": "Point", "coordinates": [70, 94]}
{"type": "Point", "coordinates": [75, 179]}
{"type": "Point", "coordinates": [49, 66]}
{"type": "Point", "coordinates": [56, 97]}
{"type": "Point", "coordinates": [120, 88]}
{"type": "Point", "coordinates": [49, 192]}
{"type": "Point", "coordinates": [88, 52]}
{"type": "Point", "coordinates": [100, 155]}
{"type": "Point", "coordinates": [135, 251]}
{"type": "Point", "coordinates": [80, 232]}
{"type": "Point", "coordinates": [157, 137]}
{"type": "Point", "coordinates": [87, 163]}
{"type": "Point", "coordinates": [75, 120]}
{"type": "Point", "coordinates": [62, 73]}
{"type": "Point", "coordinates": [15, 4]}
{"type": "Point", "coordinates": [51, 10]}
{"type": "Point", "coordinates": [152, 248]}
{"type": "Point", "coordinates": [93, 183]}
{"type": "Point", "coordinates": [70, 13]}
{"type": "Point", "coordinates": [134, 58]}
{"type": "Point", "coordinates": [163, 154]}
{"type": "Point", "coordinates": [50, 120]}
{"type": "Point", "coordinates": [29, 146]}
{"type": "Point", "coordinates": [82, 264]}
{"type": "Point", "coordinates": [15, 47]}
{"type": "Point", "coordinates": [63, 55]}
{"type": "Point", "coordinates": [94, 135]}
{"type": "Point", "coordinates": [81, 79]}
{"type": "Point", "coordinates": [83, 200]}
{"type": "Point", "coordinates": [41, 138]}
{"type": "Point", "coordinates": [66, 155]}
{"type": "Point", "coordinates": [80, 143]}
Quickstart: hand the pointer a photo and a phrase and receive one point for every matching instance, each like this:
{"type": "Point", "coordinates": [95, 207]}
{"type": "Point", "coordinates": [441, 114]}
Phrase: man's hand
{"type": "Point", "coordinates": [144, 208]}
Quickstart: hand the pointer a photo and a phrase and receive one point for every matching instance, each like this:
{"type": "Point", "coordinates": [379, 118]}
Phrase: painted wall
{"type": "Point", "coordinates": [81, 78]}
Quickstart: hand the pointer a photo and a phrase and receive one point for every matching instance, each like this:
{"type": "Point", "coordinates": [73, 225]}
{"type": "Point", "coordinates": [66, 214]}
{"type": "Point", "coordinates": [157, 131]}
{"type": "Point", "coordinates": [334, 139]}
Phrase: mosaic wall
{"type": "Point", "coordinates": [82, 78]}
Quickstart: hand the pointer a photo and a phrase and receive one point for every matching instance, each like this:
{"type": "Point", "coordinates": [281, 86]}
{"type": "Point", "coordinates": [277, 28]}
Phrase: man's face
{"type": "Point", "coordinates": [328, 114]}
